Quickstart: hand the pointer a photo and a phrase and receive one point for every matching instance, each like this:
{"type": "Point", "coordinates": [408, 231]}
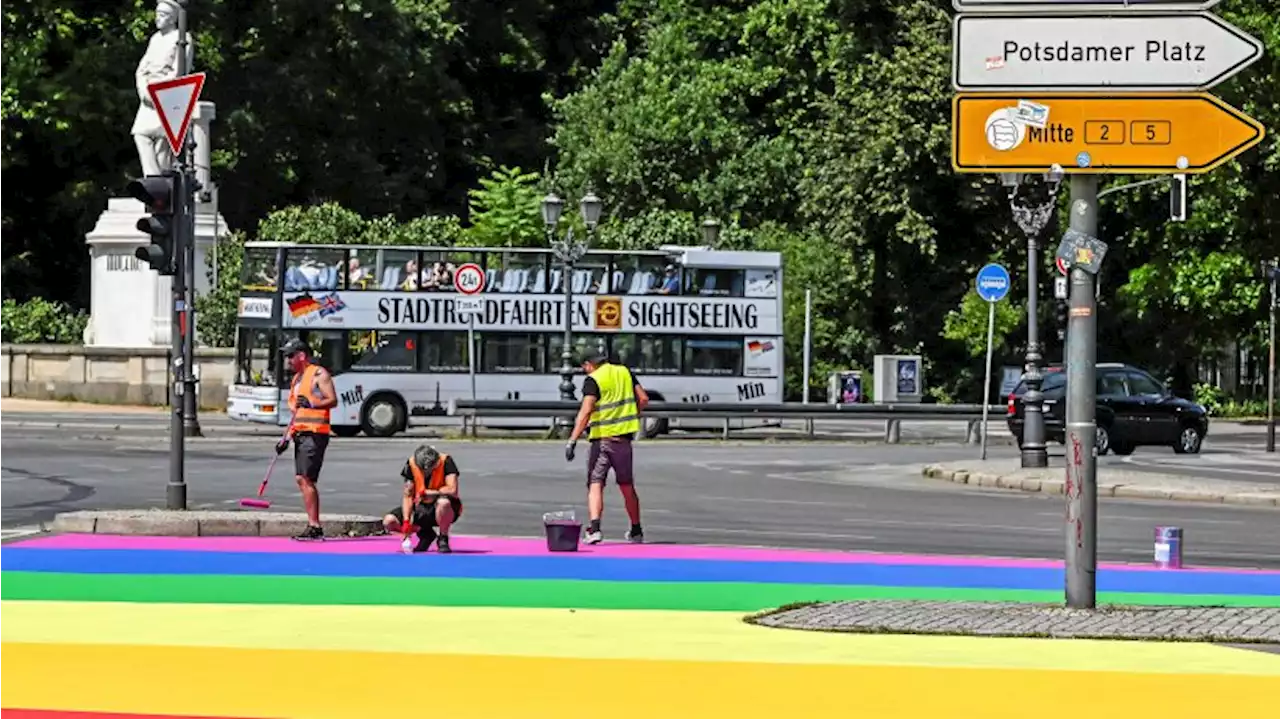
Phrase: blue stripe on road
{"type": "Point", "coordinates": [111, 561]}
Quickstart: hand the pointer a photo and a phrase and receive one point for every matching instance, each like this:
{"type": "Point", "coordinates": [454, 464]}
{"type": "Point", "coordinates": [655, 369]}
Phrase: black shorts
{"type": "Point", "coordinates": [308, 454]}
{"type": "Point", "coordinates": [425, 515]}
{"type": "Point", "coordinates": [606, 454]}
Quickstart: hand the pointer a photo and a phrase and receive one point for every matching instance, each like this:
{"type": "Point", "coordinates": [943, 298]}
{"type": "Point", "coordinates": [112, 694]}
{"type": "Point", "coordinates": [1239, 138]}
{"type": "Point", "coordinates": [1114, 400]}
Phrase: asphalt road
{"type": "Point", "coordinates": [841, 495]}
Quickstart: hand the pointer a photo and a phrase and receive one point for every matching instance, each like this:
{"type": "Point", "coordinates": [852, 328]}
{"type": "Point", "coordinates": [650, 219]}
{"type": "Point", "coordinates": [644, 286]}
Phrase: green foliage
{"type": "Point", "coordinates": [968, 324]}
{"type": "Point", "coordinates": [1219, 404]}
{"type": "Point", "coordinates": [39, 321]}
{"type": "Point", "coordinates": [506, 210]}
{"type": "Point", "coordinates": [217, 310]}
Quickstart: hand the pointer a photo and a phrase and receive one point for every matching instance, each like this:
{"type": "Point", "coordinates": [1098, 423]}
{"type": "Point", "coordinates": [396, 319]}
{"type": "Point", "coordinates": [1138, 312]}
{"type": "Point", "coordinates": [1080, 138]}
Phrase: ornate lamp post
{"type": "Point", "coordinates": [568, 251]}
{"type": "Point", "coordinates": [1032, 217]}
{"type": "Point", "coordinates": [710, 232]}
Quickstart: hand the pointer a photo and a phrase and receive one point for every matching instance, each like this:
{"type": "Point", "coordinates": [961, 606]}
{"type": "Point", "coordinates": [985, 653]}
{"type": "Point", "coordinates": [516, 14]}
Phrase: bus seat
{"type": "Point", "coordinates": [294, 280]}
{"type": "Point", "coordinates": [640, 283]}
{"type": "Point", "coordinates": [328, 278]}
{"type": "Point", "coordinates": [491, 280]}
{"type": "Point", "coordinates": [615, 284]}
{"type": "Point", "coordinates": [582, 281]}
{"type": "Point", "coordinates": [390, 278]}
{"type": "Point", "coordinates": [555, 281]}
{"type": "Point", "coordinates": [539, 282]}
{"type": "Point", "coordinates": [709, 286]}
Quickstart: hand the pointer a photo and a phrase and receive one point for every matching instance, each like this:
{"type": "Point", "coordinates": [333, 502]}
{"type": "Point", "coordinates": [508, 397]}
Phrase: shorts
{"type": "Point", "coordinates": [308, 454]}
{"type": "Point", "coordinates": [610, 453]}
{"type": "Point", "coordinates": [425, 516]}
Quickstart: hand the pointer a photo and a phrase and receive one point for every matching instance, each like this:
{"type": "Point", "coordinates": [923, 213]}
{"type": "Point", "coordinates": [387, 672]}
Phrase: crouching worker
{"type": "Point", "coordinates": [430, 504]}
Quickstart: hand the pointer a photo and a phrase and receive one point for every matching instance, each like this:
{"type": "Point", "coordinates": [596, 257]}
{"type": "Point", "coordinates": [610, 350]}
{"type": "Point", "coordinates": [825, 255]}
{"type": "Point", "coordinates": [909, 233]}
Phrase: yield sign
{"type": "Point", "coordinates": [174, 101]}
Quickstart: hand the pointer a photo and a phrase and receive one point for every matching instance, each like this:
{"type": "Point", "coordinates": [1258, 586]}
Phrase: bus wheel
{"type": "Point", "coordinates": [651, 427]}
{"type": "Point", "coordinates": [383, 415]}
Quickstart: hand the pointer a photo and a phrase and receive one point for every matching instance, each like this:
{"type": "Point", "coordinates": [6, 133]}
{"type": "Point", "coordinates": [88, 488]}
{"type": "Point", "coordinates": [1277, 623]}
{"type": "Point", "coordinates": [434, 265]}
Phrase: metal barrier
{"type": "Point", "coordinates": [892, 414]}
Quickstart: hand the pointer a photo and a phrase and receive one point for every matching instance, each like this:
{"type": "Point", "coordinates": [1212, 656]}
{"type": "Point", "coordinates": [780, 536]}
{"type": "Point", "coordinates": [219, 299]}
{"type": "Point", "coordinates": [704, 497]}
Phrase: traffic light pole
{"type": "Point", "coordinates": [176, 490]}
{"type": "Point", "coordinates": [186, 232]}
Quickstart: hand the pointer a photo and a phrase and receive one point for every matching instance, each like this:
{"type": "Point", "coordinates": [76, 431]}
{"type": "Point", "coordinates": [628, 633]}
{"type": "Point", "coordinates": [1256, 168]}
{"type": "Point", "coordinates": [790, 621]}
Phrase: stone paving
{"type": "Point", "coordinates": [1004, 619]}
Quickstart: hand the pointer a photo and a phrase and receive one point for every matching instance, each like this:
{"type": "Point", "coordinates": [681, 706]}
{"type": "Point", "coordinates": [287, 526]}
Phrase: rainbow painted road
{"type": "Point", "coordinates": [102, 626]}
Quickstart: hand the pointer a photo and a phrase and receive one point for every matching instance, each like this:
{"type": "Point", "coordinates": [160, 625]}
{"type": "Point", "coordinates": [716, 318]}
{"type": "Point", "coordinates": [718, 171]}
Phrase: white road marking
{"type": "Point", "coordinates": [927, 524]}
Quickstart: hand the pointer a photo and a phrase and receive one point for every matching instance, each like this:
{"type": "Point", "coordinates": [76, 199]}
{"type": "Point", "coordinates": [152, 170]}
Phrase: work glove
{"type": "Point", "coordinates": [304, 403]}
{"type": "Point", "coordinates": [569, 450]}
{"type": "Point", "coordinates": [282, 445]}
{"type": "Point", "coordinates": [406, 527]}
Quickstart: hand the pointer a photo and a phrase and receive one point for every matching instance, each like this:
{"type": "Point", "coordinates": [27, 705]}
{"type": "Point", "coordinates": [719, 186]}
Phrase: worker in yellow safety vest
{"type": "Point", "coordinates": [612, 400]}
{"type": "Point", "coordinates": [311, 396]}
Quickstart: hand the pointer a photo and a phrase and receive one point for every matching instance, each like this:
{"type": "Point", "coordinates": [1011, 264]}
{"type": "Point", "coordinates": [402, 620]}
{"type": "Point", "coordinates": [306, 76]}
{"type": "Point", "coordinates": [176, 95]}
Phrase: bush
{"type": "Point", "coordinates": [39, 321]}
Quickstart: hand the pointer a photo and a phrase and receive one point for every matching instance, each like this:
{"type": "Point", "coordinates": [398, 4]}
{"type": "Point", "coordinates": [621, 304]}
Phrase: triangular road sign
{"type": "Point", "coordinates": [174, 101]}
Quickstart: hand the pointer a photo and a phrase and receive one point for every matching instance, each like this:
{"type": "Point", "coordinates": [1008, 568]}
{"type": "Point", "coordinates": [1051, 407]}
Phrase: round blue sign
{"type": "Point", "coordinates": [993, 283]}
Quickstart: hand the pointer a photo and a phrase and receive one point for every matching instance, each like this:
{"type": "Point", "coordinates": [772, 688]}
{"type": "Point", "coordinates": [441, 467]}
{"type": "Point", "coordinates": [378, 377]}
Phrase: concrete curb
{"type": "Point", "coordinates": [1105, 489]}
{"type": "Point", "coordinates": [171, 523]}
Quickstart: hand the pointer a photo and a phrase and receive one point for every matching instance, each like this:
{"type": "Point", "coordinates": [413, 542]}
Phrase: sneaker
{"type": "Point", "coordinates": [635, 537]}
{"type": "Point", "coordinates": [426, 536]}
{"type": "Point", "coordinates": [312, 532]}
{"type": "Point", "coordinates": [442, 544]}
{"type": "Point", "coordinates": [595, 537]}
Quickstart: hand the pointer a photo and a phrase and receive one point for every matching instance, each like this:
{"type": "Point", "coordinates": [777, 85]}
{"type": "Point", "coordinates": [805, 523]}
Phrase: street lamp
{"type": "Point", "coordinates": [1032, 217]}
{"type": "Point", "coordinates": [568, 251]}
{"type": "Point", "coordinates": [710, 232]}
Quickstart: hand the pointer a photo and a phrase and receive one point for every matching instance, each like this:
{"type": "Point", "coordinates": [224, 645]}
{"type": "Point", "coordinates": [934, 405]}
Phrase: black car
{"type": "Point", "coordinates": [1133, 410]}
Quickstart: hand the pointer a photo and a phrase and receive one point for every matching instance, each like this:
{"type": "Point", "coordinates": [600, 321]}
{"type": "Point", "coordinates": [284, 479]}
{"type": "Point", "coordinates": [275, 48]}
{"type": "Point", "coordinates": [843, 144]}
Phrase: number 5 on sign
{"type": "Point", "coordinates": [992, 285]}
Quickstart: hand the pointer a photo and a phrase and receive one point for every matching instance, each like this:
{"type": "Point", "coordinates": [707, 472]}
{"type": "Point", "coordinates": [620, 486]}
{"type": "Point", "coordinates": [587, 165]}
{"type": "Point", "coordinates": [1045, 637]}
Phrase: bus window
{"type": "Point", "coordinates": [503, 352]}
{"type": "Point", "coordinates": [383, 351]}
{"type": "Point", "coordinates": [256, 357]}
{"type": "Point", "coordinates": [583, 344]}
{"type": "Point", "coordinates": [260, 272]}
{"type": "Point", "coordinates": [313, 268]}
{"type": "Point", "coordinates": [645, 275]}
{"type": "Point", "coordinates": [714, 283]}
{"type": "Point", "coordinates": [398, 270]}
{"type": "Point", "coordinates": [591, 274]}
{"type": "Point", "coordinates": [363, 271]}
{"type": "Point", "coordinates": [514, 272]}
{"type": "Point", "coordinates": [328, 349]}
{"type": "Point", "coordinates": [443, 352]}
{"type": "Point", "coordinates": [714, 357]}
{"type": "Point", "coordinates": [649, 354]}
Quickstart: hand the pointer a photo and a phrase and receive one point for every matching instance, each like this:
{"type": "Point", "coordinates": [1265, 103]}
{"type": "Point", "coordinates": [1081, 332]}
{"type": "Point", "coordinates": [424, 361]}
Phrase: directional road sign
{"type": "Point", "coordinates": [174, 101]}
{"type": "Point", "coordinates": [469, 279]}
{"type": "Point", "coordinates": [1097, 133]}
{"type": "Point", "coordinates": [1079, 5]}
{"type": "Point", "coordinates": [992, 283]}
{"type": "Point", "coordinates": [1141, 51]}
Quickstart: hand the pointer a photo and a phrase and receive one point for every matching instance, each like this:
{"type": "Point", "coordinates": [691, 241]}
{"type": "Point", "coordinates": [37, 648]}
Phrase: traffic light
{"type": "Point", "coordinates": [1060, 314]}
{"type": "Point", "coordinates": [161, 194]}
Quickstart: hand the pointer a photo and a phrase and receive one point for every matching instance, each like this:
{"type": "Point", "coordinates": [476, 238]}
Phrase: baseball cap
{"type": "Point", "coordinates": [294, 346]}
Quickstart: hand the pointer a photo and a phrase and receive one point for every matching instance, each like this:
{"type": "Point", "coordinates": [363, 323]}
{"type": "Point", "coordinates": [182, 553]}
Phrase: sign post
{"type": "Point", "coordinates": [1042, 50]}
{"type": "Point", "coordinates": [470, 281]}
{"type": "Point", "coordinates": [992, 285]}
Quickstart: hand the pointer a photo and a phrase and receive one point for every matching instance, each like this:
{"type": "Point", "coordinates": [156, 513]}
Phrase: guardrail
{"type": "Point", "coordinates": [892, 414]}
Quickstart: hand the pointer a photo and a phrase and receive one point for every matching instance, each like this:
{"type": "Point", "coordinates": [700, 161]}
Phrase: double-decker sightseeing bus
{"type": "Point", "coordinates": [694, 324]}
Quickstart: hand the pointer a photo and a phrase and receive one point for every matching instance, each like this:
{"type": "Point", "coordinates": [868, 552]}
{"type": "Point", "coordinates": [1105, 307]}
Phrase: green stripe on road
{"type": "Point", "coordinates": [454, 592]}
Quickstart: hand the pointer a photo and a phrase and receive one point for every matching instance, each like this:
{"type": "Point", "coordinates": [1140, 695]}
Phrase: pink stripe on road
{"type": "Point", "coordinates": [513, 546]}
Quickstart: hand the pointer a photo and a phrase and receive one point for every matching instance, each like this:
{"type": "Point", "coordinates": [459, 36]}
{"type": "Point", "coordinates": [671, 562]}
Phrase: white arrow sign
{"type": "Point", "coordinates": [1082, 5]}
{"type": "Point", "coordinates": [1167, 51]}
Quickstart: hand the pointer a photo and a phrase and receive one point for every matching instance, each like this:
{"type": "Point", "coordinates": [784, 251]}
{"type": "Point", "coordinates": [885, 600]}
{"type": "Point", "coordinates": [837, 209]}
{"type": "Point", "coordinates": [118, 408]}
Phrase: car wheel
{"type": "Point", "coordinates": [1123, 450]}
{"type": "Point", "coordinates": [1189, 441]}
{"type": "Point", "coordinates": [383, 415]}
{"type": "Point", "coordinates": [1102, 441]}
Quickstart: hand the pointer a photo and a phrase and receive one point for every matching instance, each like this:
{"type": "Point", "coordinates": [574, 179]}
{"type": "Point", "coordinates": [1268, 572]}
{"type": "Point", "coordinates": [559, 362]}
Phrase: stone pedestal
{"type": "Point", "coordinates": [130, 304]}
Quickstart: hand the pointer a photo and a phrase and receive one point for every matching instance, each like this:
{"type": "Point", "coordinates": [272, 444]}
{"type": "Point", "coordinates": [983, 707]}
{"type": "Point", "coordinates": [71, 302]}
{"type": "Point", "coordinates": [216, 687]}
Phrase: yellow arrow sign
{"type": "Point", "coordinates": [1132, 133]}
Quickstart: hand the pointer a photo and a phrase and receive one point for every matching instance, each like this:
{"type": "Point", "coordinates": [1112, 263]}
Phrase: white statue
{"type": "Point", "coordinates": [159, 63]}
